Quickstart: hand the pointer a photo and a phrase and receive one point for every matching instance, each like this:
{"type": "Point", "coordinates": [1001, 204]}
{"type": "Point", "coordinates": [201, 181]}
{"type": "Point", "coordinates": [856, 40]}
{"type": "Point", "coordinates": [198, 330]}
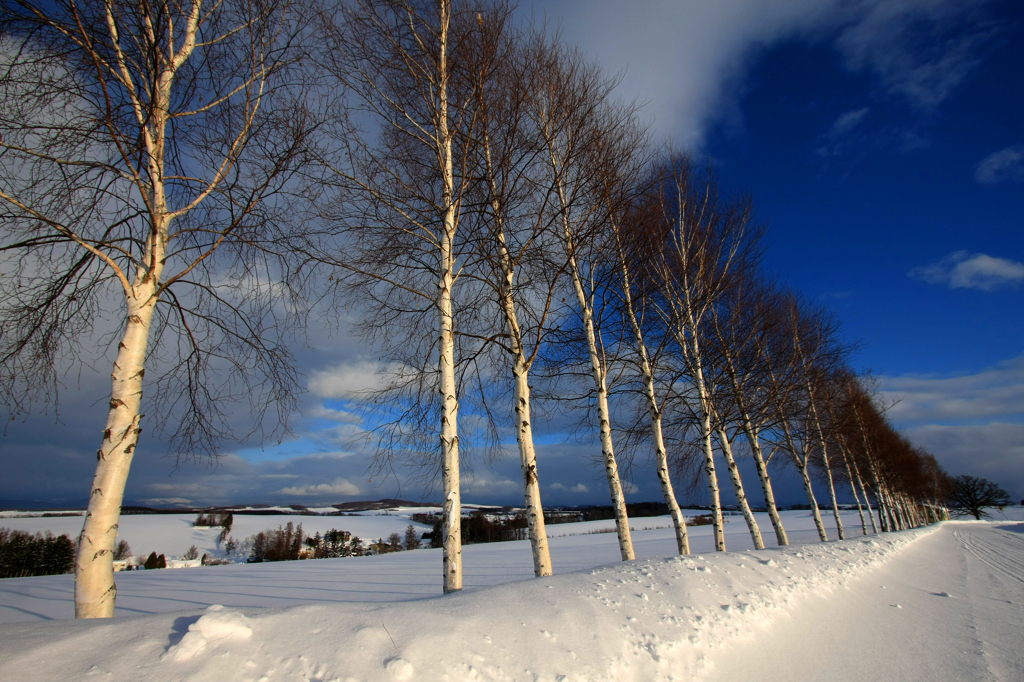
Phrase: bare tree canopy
{"type": "Point", "coordinates": [147, 166]}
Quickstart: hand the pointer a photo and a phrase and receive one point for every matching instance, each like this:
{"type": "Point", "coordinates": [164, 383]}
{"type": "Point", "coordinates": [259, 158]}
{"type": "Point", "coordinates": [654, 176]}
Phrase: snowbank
{"type": "Point", "coordinates": [392, 577]}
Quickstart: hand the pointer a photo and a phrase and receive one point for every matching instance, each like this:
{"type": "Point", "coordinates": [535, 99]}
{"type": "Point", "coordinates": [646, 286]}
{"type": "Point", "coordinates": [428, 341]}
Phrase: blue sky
{"type": "Point", "coordinates": [882, 141]}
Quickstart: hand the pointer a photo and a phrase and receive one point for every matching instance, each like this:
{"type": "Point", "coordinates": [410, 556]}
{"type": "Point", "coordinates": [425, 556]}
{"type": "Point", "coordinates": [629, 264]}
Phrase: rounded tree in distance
{"type": "Point", "coordinates": [971, 495]}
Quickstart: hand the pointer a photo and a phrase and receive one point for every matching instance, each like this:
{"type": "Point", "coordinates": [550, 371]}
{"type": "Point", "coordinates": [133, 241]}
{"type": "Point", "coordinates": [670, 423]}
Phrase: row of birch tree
{"type": "Point", "coordinates": [485, 183]}
{"type": "Point", "coordinates": [181, 182]}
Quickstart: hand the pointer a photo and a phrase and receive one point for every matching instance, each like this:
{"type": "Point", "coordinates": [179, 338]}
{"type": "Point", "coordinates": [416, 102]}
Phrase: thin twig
{"type": "Point", "coordinates": [392, 639]}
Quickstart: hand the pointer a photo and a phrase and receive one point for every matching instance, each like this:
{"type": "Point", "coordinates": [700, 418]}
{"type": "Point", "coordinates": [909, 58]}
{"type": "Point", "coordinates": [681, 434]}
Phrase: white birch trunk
{"type": "Point", "coordinates": [95, 591]}
{"type": "Point", "coordinates": [747, 424]}
{"type": "Point", "coordinates": [737, 484]}
{"type": "Point", "coordinates": [867, 499]}
{"type": "Point", "coordinates": [832, 494]}
{"type": "Point", "coordinates": [528, 458]}
{"type": "Point", "coordinates": [766, 484]}
{"type": "Point", "coordinates": [894, 512]}
{"type": "Point", "coordinates": [886, 509]}
{"type": "Point", "coordinates": [891, 523]}
{"type": "Point", "coordinates": [800, 459]}
{"type": "Point", "coordinates": [661, 453]}
{"type": "Point", "coordinates": [883, 513]}
{"type": "Point", "coordinates": [815, 511]}
{"type": "Point", "coordinates": [451, 484]}
{"type": "Point", "coordinates": [678, 520]}
{"type": "Point", "coordinates": [908, 511]}
{"type": "Point", "coordinates": [828, 468]}
{"type": "Point", "coordinates": [717, 523]}
{"type": "Point", "coordinates": [452, 521]}
{"type": "Point", "coordinates": [901, 510]}
{"type": "Point", "coordinates": [901, 516]}
{"type": "Point", "coordinates": [520, 371]}
{"type": "Point", "coordinates": [524, 432]}
{"type": "Point", "coordinates": [611, 467]}
{"type": "Point", "coordinates": [853, 489]}
{"type": "Point", "coordinates": [914, 514]}
{"type": "Point", "coordinates": [856, 469]}
{"type": "Point", "coordinates": [884, 517]}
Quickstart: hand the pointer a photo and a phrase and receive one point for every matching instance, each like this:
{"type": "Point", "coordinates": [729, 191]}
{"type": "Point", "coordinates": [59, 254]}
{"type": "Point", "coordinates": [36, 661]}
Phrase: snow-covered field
{"type": "Point", "coordinates": [173, 534]}
{"type": "Point", "coordinates": [942, 603]}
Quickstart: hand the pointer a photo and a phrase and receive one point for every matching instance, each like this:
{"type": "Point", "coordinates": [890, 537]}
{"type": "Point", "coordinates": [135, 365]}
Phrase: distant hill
{"type": "Point", "coordinates": [259, 509]}
{"type": "Point", "coordinates": [386, 503]}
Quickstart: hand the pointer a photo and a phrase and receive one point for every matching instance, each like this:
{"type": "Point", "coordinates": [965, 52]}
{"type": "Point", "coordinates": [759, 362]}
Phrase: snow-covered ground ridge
{"type": "Point", "coordinates": [652, 619]}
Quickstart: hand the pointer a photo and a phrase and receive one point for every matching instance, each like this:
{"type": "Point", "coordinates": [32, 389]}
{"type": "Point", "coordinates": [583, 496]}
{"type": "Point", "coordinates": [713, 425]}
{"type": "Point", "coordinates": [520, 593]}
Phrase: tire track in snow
{"type": "Point", "coordinates": [989, 554]}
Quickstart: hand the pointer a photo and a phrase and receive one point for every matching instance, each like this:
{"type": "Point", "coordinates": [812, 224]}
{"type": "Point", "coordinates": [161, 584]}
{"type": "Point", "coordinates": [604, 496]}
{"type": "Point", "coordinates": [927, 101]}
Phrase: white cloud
{"type": "Point", "coordinates": [848, 121]}
{"type": "Point", "coordinates": [837, 135]}
{"type": "Point", "coordinates": [346, 380]}
{"type": "Point", "coordinates": [340, 486]}
{"type": "Point", "coordinates": [1006, 164]}
{"type": "Point", "coordinates": [961, 270]}
{"type": "Point", "coordinates": [687, 61]}
{"type": "Point", "coordinates": [477, 484]}
{"type": "Point", "coordinates": [921, 49]}
{"type": "Point", "coordinates": [578, 488]}
{"type": "Point", "coordinates": [342, 416]}
{"type": "Point", "coordinates": [994, 392]}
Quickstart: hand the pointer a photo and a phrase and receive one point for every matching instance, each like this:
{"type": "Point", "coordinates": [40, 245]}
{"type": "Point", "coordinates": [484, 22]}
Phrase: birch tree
{"type": "Point", "coordinates": [396, 170]}
{"type": "Point", "coordinates": [515, 240]}
{"type": "Point", "coordinates": [816, 377]}
{"type": "Point", "coordinates": [842, 431]}
{"type": "Point", "coordinates": [636, 233]}
{"type": "Point", "coordinates": [147, 157]}
{"type": "Point", "coordinates": [577, 121]}
{"type": "Point", "coordinates": [743, 328]}
{"type": "Point", "coordinates": [707, 240]}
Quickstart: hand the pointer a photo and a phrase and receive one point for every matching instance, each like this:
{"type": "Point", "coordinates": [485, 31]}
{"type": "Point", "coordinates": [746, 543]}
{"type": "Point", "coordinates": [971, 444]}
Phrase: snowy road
{"type": "Point", "coordinates": [949, 607]}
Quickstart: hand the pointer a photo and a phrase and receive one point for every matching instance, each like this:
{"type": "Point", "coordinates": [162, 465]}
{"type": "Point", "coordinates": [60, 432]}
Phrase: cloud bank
{"type": "Point", "coordinates": [994, 392]}
{"type": "Point", "coordinates": [973, 423]}
{"type": "Point", "coordinates": [962, 270]}
{"type": "Point", "coordinates": [686, 61]}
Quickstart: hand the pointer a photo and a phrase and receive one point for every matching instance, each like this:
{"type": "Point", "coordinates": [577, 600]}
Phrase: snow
{"type": "Point", "coordinates": [939, 603]}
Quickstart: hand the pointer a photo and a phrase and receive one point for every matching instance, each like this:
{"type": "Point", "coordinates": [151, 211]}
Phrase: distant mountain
{"type": "Point", "coordinates": [386, 503]}
{"type": "Point", "coordinates": [40, 505]}
{"type": "Point", "coordinates": [133, 507]}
